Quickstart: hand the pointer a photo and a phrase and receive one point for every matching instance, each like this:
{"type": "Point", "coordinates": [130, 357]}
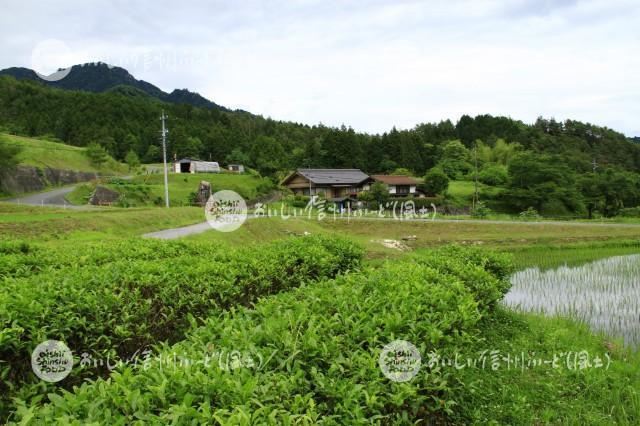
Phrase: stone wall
{"type": "Point", "coordinates": [29, 179]}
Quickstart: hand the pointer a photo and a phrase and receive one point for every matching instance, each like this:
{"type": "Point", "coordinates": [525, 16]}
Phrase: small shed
{"type": "Point", "coordinates": [189, 165]}
{"type": "Point", "coordinates": [236, 168]}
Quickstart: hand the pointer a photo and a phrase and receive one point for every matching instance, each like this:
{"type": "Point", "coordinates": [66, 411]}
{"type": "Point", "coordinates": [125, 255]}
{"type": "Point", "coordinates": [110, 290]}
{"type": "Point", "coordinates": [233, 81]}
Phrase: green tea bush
{"type": "Point", "coordinates": [485, 273]}
{"type": "Point", "coordinates": [316, 353]}
{"type": "Point", "coordinates": [22, 259]}
{"type": "Point", "coordinates": [113, 309]}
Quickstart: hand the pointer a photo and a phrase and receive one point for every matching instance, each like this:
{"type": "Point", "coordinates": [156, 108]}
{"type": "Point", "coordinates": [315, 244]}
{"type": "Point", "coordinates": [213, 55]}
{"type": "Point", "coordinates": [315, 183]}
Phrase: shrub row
{"type": "Point", "coordinates": [21, 259]}
{"type": "Point", "coordinates": [316, 355]}
{"type": "Point", "coordinates": [485, 273]}
{"type": "Point", "coordinates": [114, 310]}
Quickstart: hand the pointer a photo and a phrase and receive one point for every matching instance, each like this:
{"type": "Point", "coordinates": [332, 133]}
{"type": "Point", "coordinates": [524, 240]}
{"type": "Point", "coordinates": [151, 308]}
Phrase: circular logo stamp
{"type": "Point", "coordinates": [51, 360]}
{"type": "Point", "coordinates": [51, 60]}
{"type": "Point", "coordinates": [225, 211]}
{"type": "Point", "coordinates": [399, 361]}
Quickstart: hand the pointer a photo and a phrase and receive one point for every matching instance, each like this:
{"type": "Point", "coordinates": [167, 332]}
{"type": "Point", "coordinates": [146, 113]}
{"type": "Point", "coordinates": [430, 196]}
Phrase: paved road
{"type": "Point", "coordinates": [54, 198]}
{"type": "Point", "coordinates": [170, 234]}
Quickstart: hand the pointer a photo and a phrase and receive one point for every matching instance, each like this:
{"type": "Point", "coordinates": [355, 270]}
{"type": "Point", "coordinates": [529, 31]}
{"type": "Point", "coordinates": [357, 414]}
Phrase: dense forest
{"type": "Point", "coordinates": [560, 167]}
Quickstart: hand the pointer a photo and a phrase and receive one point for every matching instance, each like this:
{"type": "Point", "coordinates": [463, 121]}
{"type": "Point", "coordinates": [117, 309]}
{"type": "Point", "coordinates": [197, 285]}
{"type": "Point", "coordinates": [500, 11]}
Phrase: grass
{"type": "Point", "coordinates": [461, 191]}
{"type": "Point", "coordinates": [81, 194]}
{"type": "Point", "coordinates": [52, 224]}
{"type": "Point", "coordinates": [370, 233]}
{"type": "Point", "coordinates": [148, 190]}
{"type": "Point", "coordinates": [547, 256]}
{"type": "Point", "coordinates": [547, 395]}
{"type": "Point", "coordinates": [43, 153]}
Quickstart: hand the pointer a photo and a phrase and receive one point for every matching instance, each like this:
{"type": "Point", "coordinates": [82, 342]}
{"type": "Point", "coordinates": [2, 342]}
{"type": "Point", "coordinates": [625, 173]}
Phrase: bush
{"type": "Point", "coordinates": [299, 201]}
{"type": "Point", "coordinates": [529, 214]}
{"type": "Point", "coordinates": [110, 311]}
{"type": "Point", "coordinates": [481, 211]}
{"type": "Point", "coordinates": [436, 182]}
{"type": "Point", "coordinates": [485, 273]}
{"type": "Point", "coordinates": [494, 175]}
{"type": "Point", "coordinates": [317, 348]}
{"type": "Point", "coordinates": [97, 154]}
{"type": "Point", "coordinates": [630, 212]}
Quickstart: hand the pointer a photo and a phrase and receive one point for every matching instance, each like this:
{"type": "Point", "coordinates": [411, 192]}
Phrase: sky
{"type": "Point", "coordinates": [368, 64]}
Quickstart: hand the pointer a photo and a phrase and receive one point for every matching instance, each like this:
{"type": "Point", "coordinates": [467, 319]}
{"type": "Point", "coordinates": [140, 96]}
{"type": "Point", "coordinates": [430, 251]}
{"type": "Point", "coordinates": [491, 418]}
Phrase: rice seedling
{"type": "Point", "coordinates": [604, 294]}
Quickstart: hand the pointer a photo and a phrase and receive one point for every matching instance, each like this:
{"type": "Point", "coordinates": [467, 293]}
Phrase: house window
{"type": "Point", "coordinates": [402, 189]}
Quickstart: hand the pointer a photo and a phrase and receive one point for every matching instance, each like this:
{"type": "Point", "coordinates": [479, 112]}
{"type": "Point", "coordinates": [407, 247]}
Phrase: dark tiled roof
{"type": "Point", "coordinates": [395, 180]}
{"type": "Point", "coordinates": [334, 176]}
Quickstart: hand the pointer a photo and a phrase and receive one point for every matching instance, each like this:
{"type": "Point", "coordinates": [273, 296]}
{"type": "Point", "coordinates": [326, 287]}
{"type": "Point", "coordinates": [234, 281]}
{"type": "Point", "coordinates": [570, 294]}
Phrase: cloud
{"type": "Point", "coordinates": [371, 64]}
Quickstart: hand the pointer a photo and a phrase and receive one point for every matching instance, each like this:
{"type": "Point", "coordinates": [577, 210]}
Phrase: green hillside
{"type": "Point", "coordinates": [148, 190]}
{"type": "Point", "coordinates": [55, 155]}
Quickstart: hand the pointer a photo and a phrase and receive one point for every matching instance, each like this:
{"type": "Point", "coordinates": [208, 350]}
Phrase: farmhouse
{"type": "Point", "coordinates": [339, 186]}
{"type": "Point", "coordinates": [399, 186]}
{"type": "Point", "coordinates": [189, 165]}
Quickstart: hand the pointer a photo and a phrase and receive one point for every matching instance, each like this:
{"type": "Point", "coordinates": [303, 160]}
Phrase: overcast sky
{"type": "Point", "coordinates": [368, 64]}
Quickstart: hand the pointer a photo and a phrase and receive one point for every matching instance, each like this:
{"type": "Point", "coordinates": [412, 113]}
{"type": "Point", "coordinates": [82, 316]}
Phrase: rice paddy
{"type": "Point", "coordinates": [605, 294]}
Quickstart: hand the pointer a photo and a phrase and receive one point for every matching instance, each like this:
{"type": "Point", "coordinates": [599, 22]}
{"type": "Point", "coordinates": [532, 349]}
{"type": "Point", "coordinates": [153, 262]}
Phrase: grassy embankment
{"type": "Point", "coordinates": [43, 153]}
{"type": "Point", "coordinates": [148, 190]}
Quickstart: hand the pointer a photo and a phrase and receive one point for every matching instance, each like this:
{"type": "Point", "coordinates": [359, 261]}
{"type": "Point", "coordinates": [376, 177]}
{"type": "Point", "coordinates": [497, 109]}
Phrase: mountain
{"type": "Point", "coordinates": [100, 77]}
{"type": "Point", "coordinates": [635, 139]}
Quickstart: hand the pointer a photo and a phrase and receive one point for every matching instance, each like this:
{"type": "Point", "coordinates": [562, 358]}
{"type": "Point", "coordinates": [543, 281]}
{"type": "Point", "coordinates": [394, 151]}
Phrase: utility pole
{"type": "Point", "coordinates": [164, 158]}
{"type": "Point", "coordinates": [594, 165]}
{"type": "Point", "coordinates": [309, 168]}
{"type": "Point", "coordinates": [475, 159]}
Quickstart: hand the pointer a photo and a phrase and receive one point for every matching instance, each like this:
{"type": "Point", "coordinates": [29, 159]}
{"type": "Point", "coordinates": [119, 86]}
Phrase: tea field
{"type": "Point", "coordinates": [260, 326]}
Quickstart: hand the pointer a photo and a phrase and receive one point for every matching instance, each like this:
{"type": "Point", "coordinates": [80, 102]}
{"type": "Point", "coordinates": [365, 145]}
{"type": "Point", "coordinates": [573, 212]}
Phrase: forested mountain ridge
{"type": "Point", "coordinates": [124, 119]}
{"type": "Point", "coordinates": [100, 77]}
{"type": "Point", "coordinates": [555, 168]}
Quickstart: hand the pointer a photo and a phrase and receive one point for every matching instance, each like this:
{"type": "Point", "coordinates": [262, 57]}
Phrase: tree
{"type": "Point", "coordinates": [153, 154]}
{"type": "Point", "coordinates": [237, 157]}
{"type": "Point", "coordinates": [609, 191]}
{"type": "Point", "coordinates": [379, 192]}
{"type": "Point", "coordinates": [401, 171]}
{"type": "Point", "coordinates": [8, 154]}
{"type": "Point", "coordinates": [542, 182]}
{"type": "Point", "coordinates": [97, 154]}
{"type": "Point", "coordinates": [132, 160]}
{"type": "Point", "coordinates": [436, 182]}
{"type": "Point", "coordinates": [267, 155]}
{"type": "Point", "coordinates": [494, 175]}
{"type": "Point", "coordinates": [455, 159]}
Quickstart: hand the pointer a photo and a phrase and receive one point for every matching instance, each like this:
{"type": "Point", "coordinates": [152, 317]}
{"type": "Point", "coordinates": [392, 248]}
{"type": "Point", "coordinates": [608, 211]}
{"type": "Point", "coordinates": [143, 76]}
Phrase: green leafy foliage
{"type": "Point", "coordinates": [319, 348]}
{"type": "Point", "coordinates": [112, 299]}
{"type": "Point", "coordinates": [8, 153]}
{"type": "Point", "coordinates": [97, 154]}
{"type": "Point", "coordinates": [494, 175]}
{"type": "Point", "coordinates": [436, 182]}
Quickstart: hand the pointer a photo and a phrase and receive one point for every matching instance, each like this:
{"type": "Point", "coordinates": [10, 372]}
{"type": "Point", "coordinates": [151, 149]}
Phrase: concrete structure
{"type": "Point", "coordinates": [236, 168]}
